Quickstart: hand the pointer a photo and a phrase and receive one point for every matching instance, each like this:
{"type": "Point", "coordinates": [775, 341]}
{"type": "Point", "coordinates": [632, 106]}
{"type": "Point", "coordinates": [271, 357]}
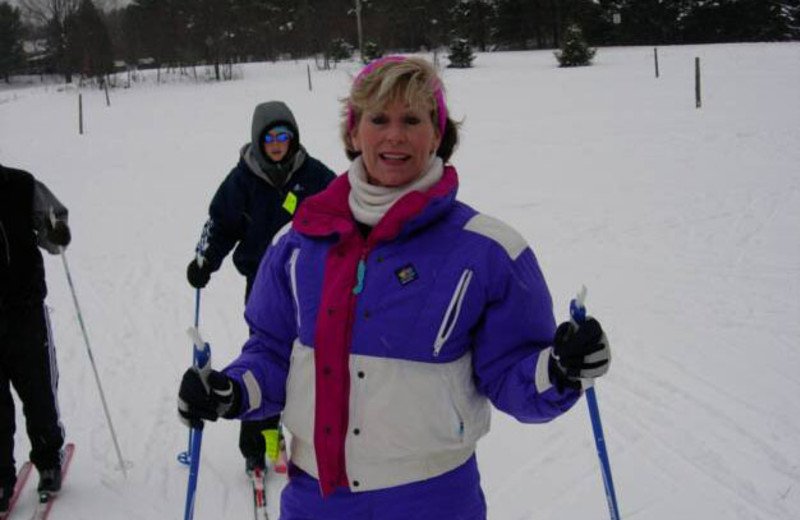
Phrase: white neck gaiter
{"type": "Point", "coordinates": [369, 203]}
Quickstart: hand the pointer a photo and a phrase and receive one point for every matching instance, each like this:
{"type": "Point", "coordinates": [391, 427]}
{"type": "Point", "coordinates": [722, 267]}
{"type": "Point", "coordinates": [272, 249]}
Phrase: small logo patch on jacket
{"type": "Point", "coordinates": [290, 203]}
{"type": "Point", "coordinates": [406, 274]}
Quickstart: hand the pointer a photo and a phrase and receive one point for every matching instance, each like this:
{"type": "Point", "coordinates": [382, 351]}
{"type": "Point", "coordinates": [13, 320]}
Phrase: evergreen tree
{"type": "Point", "coordinates": [371, 52]}
{"type": "Point", "coordinates": [11, 55]}
{"type": "Point", "coordinates": [461, 55]}
{"type": "Point", "coordinates": [792, 14]}
{"type": "Point", "coordinates": [512, 28]}
{"type": "Point", "coordinates": [88, 43]}
{"type": "Point", "coordinates": [340, 50]}
{"type": "Point", "coordinates": [473, 20]}
{"type": "Point", "coordinates": [650, 22]}
{"type": "Point", "coordinates": [152, 30]}
{"type": "Point", "coordinates": [741, 20]}
{"type": "Point", "coordinates": [575, 52]}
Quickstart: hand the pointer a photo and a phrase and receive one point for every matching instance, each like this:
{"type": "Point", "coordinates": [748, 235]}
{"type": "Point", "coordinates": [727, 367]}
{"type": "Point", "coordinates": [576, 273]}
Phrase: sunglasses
{"type": "Point", "coordinates": [281, 138]}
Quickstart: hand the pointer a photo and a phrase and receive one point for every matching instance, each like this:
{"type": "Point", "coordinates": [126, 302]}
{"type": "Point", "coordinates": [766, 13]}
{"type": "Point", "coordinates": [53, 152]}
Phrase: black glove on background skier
{"type": "Point", "coordinates": [198, 276]}
{"type": "Point", "coordinates": [58, 233]}
{"type": "Point", "coordinates": [579, 352]}
{"type": "Point", "coordinates": [218, 396]}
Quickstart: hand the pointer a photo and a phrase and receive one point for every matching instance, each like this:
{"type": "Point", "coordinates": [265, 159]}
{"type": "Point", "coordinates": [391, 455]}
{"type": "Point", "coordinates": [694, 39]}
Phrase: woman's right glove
{"type": "Point", "coordinates": [207, 396]}
{"type": "Point", "coordinates": [579, 353]}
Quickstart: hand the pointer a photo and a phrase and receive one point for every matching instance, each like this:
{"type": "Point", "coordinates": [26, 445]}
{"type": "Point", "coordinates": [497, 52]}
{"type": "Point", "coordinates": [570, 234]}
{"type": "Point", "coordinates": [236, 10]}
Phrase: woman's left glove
{"type": "Point", "coordinates": [579, 353]}
{"type": "Point", "coordinates": [207, 396]}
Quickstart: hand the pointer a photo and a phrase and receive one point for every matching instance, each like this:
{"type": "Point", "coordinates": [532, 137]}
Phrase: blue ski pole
{"type": "Point", "coordinates": [577, 310]}
{"type": "Point", "coordinates": [202, 357]}
{"type": "Point", "coordinates": [185, 457]}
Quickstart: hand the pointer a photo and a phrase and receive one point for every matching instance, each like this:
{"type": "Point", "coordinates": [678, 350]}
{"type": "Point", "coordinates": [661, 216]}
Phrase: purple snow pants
{"type": "Point", "coordinates": [456, 495]}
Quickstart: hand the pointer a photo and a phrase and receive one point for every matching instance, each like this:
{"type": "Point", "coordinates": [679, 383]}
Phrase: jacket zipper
{"type": "Point", "coordinates": [453, 310]}
{"type": "Point", "coordinates": [293, 277]}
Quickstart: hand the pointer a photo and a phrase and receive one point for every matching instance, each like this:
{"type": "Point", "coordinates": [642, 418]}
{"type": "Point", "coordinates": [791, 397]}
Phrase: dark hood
{"type": "Point", "coordinates": [265, 116]}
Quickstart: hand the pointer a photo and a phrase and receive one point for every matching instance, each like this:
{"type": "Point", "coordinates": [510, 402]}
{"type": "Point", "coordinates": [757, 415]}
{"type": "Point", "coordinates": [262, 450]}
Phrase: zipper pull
{"type": "Point", "coordinates": [362, 269]}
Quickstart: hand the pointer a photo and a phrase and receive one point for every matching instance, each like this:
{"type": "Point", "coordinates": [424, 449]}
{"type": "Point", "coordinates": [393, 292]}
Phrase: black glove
{"type": "Point", "coordinates": [198, 276]}
{"type": "Point", "coordinates": [579, 352]}
{"type": "Point", "coordinates": [216, 396]}
{"type": "Point", "coordinates": [58, 233]}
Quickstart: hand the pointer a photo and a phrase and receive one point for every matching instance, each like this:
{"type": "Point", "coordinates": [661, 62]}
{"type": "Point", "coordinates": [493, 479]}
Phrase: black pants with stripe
{"type": "Point", "coordinates": [28, 363]}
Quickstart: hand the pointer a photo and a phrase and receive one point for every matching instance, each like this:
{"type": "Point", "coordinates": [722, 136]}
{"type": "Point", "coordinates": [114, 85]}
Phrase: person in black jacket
{"type": "Point", "coordinates": [259, 196]}
{"type": "Point", "coordinates": [30, 216]}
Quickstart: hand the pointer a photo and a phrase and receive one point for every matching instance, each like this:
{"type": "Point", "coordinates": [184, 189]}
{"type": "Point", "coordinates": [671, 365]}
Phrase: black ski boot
{"type": "Point", "coordinates": [49, 483]}
{"type": "Point", "coordinates": [253, 462]}
{"type": "Point", "coordinates": [5, 498]}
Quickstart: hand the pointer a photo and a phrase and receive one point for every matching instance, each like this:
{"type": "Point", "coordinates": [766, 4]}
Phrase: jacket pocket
{"type": "Point", "coordinates": [458, 418]}
{"type": "Point", "coordinates": [453, 310]}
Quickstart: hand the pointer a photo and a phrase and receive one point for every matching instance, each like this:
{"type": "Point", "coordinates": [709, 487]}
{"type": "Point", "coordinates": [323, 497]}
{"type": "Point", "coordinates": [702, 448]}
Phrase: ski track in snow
{"type": "Point", "coordinates": [682, 223]}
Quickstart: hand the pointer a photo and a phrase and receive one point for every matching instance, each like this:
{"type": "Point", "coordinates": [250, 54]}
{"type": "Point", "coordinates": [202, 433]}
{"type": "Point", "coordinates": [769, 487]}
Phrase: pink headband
{"type": "Point", "coordinates": [438, 94]}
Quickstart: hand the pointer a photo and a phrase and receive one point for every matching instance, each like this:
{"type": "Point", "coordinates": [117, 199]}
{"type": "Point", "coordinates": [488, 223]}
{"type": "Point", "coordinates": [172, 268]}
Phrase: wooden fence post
{"type": "Point", "coordinates": [80, 113]}
{"type": "Point", "coordinates": [697, 98]}
{"type": "Point", "coordinates": [655, 57]}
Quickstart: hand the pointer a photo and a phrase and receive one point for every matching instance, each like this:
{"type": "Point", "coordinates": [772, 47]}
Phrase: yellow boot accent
{"type": "Point", "coordinates": [272, 441]}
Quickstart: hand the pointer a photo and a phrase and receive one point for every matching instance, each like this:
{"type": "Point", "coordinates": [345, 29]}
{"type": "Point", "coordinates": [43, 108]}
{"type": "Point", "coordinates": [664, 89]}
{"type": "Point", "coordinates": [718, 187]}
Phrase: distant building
{"type": "Point", "coordinates": [147, 63]}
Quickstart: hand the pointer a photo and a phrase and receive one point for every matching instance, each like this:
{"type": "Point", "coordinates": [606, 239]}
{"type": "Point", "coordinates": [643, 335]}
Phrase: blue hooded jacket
{"type": "Point", "coordinates": [259, 196]}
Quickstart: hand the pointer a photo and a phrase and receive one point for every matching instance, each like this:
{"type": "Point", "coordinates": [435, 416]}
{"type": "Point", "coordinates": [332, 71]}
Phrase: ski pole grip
{"type": "Point", "coordinates": [577, 313]}
{"type": "Point", "coordinates": [53, 221]}
{"type": "Point", "coordinates": [577, 307]}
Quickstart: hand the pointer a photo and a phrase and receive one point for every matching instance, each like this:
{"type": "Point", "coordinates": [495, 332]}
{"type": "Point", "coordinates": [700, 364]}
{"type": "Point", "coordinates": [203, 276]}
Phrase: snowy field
{"type": "Point", "coordinates": [683, 223]}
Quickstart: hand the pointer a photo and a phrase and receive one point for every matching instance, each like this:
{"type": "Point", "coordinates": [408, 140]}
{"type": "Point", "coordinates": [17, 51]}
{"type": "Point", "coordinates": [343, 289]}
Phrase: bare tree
{"type": "Point", "coordinates": [11, 30]}
{"type": "Point", "coordinates": [52, 14]}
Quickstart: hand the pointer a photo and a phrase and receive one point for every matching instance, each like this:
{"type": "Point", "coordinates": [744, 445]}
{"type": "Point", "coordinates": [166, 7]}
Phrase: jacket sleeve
{"type": "Point", "coordinates": [513, 341]}
{"type": "Point", "coordinates": [226, 222]}
{"type": "Point", "coordinates": [46, 208]}
{"type": "Point", "coordinates": [263, 365]}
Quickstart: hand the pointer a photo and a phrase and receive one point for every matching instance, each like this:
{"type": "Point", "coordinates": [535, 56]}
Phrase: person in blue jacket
{"type": "Point", "coordinates": [274, 175]}
{"type": "Point", "coordinates": [390, 318]}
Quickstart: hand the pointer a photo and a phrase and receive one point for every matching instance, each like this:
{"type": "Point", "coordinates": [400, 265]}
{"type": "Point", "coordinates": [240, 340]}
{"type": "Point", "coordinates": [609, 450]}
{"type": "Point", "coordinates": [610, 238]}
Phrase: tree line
{"type": "Point", "coordinates": [85, 37]}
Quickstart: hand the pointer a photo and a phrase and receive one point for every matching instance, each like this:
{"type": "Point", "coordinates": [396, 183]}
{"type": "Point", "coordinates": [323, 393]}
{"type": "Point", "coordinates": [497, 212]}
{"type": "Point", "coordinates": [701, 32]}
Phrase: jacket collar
{"type": "Point", "coordinates": [328, 213]}
{"type": "Point", "coordinates": [276, 175]}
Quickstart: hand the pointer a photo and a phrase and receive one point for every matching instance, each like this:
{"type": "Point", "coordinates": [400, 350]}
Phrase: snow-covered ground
{"type": "Point", "coordinates": [683, 223]}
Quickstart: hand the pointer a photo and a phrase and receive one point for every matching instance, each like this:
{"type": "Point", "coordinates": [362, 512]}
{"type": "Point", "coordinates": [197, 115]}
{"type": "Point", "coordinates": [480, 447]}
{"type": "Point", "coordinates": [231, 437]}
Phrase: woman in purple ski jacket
{"type": "Point", "coordinates": [387, 318]}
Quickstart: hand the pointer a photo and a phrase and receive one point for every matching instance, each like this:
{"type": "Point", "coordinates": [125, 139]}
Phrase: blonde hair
{"type": "Point", "coordinates": [412, 80]}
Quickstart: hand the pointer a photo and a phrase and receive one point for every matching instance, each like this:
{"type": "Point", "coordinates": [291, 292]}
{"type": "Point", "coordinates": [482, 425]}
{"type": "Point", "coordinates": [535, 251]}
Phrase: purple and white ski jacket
{"type": "Point", "coordinates": [384, 353]}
